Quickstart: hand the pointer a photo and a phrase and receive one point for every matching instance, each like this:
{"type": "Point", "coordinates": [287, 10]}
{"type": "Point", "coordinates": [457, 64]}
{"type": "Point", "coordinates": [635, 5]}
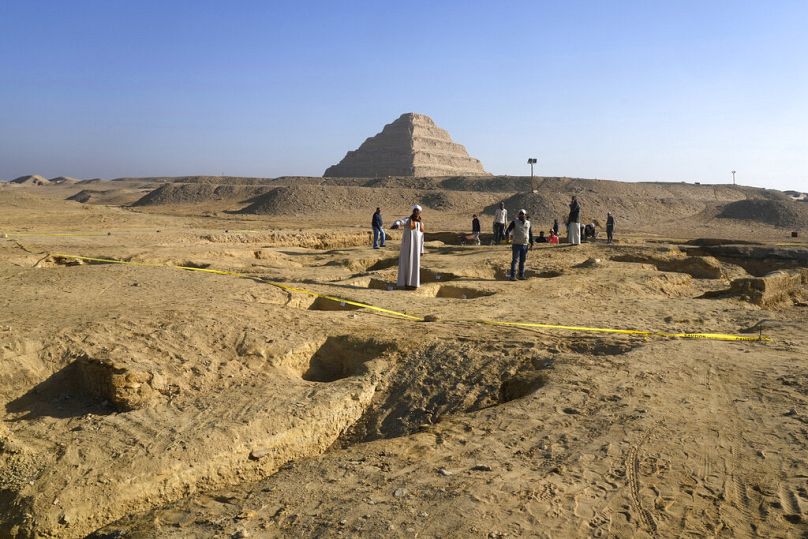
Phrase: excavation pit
{"type": "Point", "coordinates": [325, 304]}
{"type": "Point", "coordinates": [383, 264]}
{"type": "Point", "coordinates": [87, 384]}
{"type": "Point", "coordinates": [343, 357]}
{"type": "Point", "coordinates": [54, 261]}
{"type": "Point", "coordinates": [433, 276]}
{"type": "Point", "coordinates": [444, 379]}
{"type": "Point", "coordinates": [599, 347]}
{"type": "Point", "coordinates": [191, 264]}
{"type": "Point", "coordinates": [521, 384]}
{"type": "Point", "coordinates": [459, 292]}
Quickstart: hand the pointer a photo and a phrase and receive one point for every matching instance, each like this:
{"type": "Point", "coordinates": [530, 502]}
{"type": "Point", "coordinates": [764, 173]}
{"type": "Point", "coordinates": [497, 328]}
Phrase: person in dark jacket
{"type": "Point", "coordinates": [541, 238]}
{"type": "Point", "coordinates": [609, 227]}
{"type": "Point", "coordinates": [555, 226]}
{"type": "Point", "coordinates": [378, 231]}
{"type": "Point", "coordinates": [475, 229]}
{"type": "Point", "coordinates": [574, 222]}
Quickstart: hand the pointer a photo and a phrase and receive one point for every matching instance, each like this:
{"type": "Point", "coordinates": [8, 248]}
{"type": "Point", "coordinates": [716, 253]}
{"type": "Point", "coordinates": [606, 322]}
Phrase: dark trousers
{"type": "Point", "coordinates": [499, 232]}
{"type": "Point", "coordinates": [609, 233]}
{"type": "Point", "coordinates": [520, 254]}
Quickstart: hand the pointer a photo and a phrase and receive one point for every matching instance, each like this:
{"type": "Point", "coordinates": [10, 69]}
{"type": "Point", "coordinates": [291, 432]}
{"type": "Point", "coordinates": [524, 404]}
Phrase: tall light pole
{"type": "Point", "coordinates": [733, 177]}
{"type": "Point", "coordinates": [532, 161]}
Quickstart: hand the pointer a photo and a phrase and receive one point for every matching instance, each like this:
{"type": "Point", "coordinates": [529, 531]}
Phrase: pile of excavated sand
{"type": "Point", "coordinates": [180, 193]}
{"type": "Point", "coordinates": [308, 199]}
{"type": "Point", "coordinates": [642, 204]}
{"type": "Point", "coordinates": [110, 197]}
{"type": "Point", "coordinates": [63, 180]}
{"type": "Point", "coordinates": [594, 206]}
{"type": "Point", "coordinates": [782, 213]}
{"type": "Point", "coordinates": [31, 179]}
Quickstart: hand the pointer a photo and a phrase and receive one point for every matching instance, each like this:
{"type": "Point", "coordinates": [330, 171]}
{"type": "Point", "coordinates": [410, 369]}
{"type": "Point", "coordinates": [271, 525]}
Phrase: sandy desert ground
{"type": "Point", "coordinates": [141, 400]}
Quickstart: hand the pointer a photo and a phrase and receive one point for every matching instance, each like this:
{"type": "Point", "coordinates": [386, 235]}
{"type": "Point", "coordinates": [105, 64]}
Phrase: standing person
{"type": "Point", "coordinates": [378, 231]}
{"type": "Point", "coordinates": [500, 218]}
{"type": "Point", "coordinates": [522, 241]}
{"type": "Point", "coordinates": [475, 229]}
{"type": "Point", "coordinates": [555, 227]}
{"type": "Point", "coordinates": [609, 227]}
{"type": "Point", "coordinates": [574, 222]}
{"type": "Point", "coordinates": [412, 247]}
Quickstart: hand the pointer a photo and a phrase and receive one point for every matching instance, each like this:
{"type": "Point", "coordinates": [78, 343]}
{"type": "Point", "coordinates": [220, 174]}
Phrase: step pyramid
{"type": "Point", "coordinates": [410, 146]}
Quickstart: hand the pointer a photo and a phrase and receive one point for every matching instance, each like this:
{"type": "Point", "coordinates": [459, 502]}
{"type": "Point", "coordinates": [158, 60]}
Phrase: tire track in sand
{"type": "Point", "coordinates": [633, 478]}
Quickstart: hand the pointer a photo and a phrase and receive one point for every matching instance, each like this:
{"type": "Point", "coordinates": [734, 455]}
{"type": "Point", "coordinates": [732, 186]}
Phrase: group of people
{"type": "Point", "coordinates": [519, 231]}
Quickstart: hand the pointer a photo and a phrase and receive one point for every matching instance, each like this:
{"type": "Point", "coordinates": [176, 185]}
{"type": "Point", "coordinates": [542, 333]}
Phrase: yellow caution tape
{"type": "Point", "coordinates": [241, 275]}
{"type": "Point", "coordinates": [710, 336]}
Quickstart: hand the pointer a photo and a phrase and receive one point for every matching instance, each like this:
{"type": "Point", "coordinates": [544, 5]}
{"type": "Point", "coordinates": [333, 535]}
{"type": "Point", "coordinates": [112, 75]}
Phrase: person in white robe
{"type": "Point", "coordinates": [412, 247]}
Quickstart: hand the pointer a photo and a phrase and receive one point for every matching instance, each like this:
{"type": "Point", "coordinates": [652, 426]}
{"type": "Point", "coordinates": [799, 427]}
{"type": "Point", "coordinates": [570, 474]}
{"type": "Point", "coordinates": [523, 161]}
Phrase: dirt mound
{"type": "Point", "coordinates": [84, 196]}
{"type": "Point", "coordinates": [778, 212]}
{"type": "Point", "coordinates": [317, 198]}
{"type": "Point", "coordinates": [64, 180]}
{"type": "Point", "coordinates": [543, 208]}
{"type": "Point", "coordinates": [109, 197]}
{"type": "Point", "coordinates": [196, 193]}
{"type": "Point", "coordinates": [302, 199]}
{"type": "Point", "coordinates": [31, 179]}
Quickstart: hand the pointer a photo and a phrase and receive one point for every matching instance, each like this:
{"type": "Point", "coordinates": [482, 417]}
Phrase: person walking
{"type": "Point", "coordinates": [574, 222]}
{"type": "Point", "coordinates": [609, 227]}
{"type": "Point", "coordinates": [475, 229]}
{"type": "Point", "coordinates": [378, 231]}
{"type": "Point", "coordinates": [500, 218]}
{"type": "Point", "coordinates": [412, 247]}
{"type": "Point", "coordinates": [522, 241]}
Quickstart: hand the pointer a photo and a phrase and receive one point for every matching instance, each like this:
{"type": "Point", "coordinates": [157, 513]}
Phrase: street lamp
{"type": "Point", "coordinates": [532, 161]}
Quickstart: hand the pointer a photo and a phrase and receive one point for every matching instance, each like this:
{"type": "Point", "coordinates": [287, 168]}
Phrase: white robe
{"type": "Point", "coordinates": [409, 261]}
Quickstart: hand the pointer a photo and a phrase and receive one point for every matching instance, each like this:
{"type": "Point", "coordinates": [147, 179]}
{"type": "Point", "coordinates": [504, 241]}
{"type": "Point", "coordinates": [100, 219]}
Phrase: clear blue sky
{"type": "Point", "coordinates": [634, 90]}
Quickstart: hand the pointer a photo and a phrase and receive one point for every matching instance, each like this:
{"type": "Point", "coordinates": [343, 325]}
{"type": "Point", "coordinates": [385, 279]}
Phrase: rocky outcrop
{"type": "Point", "coordinates": [758, 260]}
{"type": "Point", "coordinates": [410, 146]}
{"type": "Point", "coordinates": [705, 267]}
{"type": "Point", "coordinates": [770, 289]}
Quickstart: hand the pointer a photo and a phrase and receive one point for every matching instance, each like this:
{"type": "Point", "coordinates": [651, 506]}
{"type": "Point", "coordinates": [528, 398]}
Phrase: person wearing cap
{"type": "Point", "coordinates": [522, 241]}
{"type": "Point", "coordinates": [412, 247]}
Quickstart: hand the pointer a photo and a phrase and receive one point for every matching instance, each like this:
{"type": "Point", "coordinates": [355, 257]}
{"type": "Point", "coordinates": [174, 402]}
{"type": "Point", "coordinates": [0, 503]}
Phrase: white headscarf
{"type": "Point", "coordinates": [416, 207]}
